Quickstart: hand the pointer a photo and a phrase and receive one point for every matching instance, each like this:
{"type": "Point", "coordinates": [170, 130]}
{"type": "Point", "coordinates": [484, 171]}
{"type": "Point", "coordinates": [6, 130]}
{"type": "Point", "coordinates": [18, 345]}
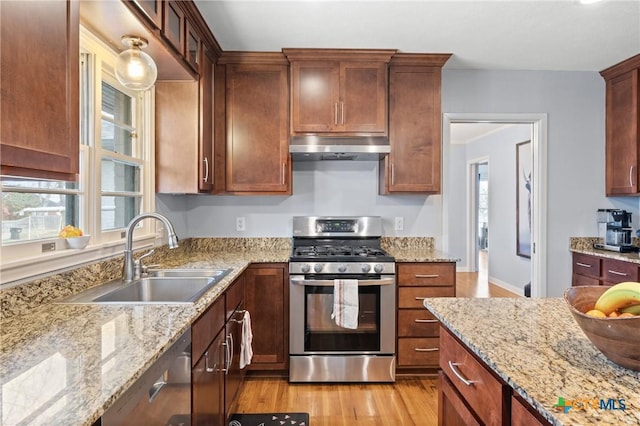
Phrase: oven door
{"type": "Point", "coordinates": [313, 331]}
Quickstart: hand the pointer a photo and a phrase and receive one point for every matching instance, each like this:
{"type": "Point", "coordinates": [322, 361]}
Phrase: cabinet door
{"type": "Point", "coordinates": [192, 51]}
{"type": "Point", "coordinates": [268, 304]}
{"type": "Point", "coordinates": [207, 377]}
{"type": "Point", "coordinates": [152, 9]}
{"type": "Point", "coordinates": [174, 25]}
{"type": "Point", "coordinates": [363, 97]}
{"type": "Point", "coordinates": [234, 375]}
{"type": "Point", "coordinates": [257, 151]}
{"type": "Point", "coordinates": [205, 179]}
{"type": "Point", "coordinates": [623, 137]}
{"type": "Point", "coordinates": [521, 415]}
{"type": "Point", "coordinates": [315, 92]}
{"type": "Point", "coordinates": [452, 410]}
{"type": "Point", "coordinates": [39, 102]}
{"type": "Point", "coordinates": [178, 166]}
{"type": "Point", "coordinates": [414, 163]}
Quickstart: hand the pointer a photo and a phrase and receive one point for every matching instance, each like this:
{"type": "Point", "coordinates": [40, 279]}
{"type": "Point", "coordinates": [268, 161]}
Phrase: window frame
{"type": "Point", "coordinates": [23, 262]}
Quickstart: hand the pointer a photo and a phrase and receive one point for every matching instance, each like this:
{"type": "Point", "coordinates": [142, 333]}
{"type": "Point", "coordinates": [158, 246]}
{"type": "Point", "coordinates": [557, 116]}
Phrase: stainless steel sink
{"type": "Point", "coordinates": [164, 288]}
{"type": "Point", "coordinates": [189, 273]}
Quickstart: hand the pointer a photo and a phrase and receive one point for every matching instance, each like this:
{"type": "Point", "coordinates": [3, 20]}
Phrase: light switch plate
{"type": "Point", "coordinates": [399, 223]}
{"type": "Point", "coordinates": [240, 224]}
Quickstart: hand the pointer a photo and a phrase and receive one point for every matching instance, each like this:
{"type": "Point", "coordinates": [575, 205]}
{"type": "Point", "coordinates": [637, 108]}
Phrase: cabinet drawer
{"type": "Point", "coordinates": [617, 271]}
{"type": "Point", "coordinates": [206, 327]}
{"type": "Point", "coordinates": [417, 323]}
{"type": "Point", "coordinates": [413, 297]}
{"type": "Point", "coordinates": [586, 265]}
{"type": "Point", "coordinates": [235, 295]}
{"type": "Point", "coordinates": [485, 394]}
{"type": "Point", "coordinates": [418, 352]}
{"type": "Point", "coordinates": [578, 280]}
{"type": "Point", "coordinates": [431, 274]}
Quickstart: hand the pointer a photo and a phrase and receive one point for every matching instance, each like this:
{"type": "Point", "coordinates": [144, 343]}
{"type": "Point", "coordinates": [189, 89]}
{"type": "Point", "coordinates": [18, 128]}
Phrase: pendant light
{"type": "Point", "coordinates": [134, 68]}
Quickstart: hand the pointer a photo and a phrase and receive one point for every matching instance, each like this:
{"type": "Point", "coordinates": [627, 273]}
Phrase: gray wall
{"type": "Point", "coordinates": [574, 102]}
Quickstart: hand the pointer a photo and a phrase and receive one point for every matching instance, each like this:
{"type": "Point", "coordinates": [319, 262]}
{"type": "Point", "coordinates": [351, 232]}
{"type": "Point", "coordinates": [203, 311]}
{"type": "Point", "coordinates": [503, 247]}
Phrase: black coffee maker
{"type": "Point", "coordinates": [614, 229]}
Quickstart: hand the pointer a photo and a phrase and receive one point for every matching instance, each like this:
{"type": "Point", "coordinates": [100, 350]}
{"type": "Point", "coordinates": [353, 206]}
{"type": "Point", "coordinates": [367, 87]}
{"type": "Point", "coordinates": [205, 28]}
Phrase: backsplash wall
{"type": "Point", "coordinates": [345, 188]}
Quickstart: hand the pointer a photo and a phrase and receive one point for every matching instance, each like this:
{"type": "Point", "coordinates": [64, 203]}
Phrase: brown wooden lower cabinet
{"type": "Point", "coordinates": [216, 376]}
{"type": "Point", "coordinates": [469, 393]}
{"type": "Point", "coordinates": [596, 270]}
{"type": "Point", "coordinates": [418, 329]}
{"type": "Point", "coordinates": [267, 301]}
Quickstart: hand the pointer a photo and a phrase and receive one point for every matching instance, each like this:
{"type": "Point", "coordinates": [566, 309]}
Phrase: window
{"type": "Point", "coordinates": [115, 182]}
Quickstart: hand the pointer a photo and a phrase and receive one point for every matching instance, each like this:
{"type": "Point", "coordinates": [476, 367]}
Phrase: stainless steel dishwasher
{"type": "Point", "coordinates": [162, 395]}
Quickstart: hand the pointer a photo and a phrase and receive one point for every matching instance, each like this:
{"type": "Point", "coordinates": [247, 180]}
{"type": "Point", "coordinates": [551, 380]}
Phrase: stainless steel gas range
{"type": "Point", "coordinates": [346, 249]}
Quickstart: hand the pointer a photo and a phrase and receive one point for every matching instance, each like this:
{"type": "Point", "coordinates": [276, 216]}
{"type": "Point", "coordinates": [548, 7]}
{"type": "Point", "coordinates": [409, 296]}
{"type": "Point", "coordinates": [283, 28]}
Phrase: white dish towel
{"type": "Point", "coordinates": [246, 351]}
{"type": "Point", "coordinates": [345, 303]}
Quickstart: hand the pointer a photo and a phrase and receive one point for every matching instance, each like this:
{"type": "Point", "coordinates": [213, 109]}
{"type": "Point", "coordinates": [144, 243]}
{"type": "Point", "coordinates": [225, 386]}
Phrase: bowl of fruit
{"type": "Point", "coordinates": [610, 318]}
{"type": "Point", "coordinates": [74, 237]}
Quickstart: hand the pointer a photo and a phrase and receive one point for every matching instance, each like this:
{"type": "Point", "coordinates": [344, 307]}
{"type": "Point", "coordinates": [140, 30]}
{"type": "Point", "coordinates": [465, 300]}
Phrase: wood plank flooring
{"type": "Point", "coordinates": [408, 401]}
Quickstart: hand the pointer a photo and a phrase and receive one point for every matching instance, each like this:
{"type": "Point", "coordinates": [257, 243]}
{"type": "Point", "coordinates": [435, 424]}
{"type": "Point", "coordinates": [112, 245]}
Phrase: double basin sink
{"type": "Point", "coordinates": [158, 286]}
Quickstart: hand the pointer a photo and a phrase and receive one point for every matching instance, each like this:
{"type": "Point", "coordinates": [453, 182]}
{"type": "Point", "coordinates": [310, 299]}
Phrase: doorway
{"type": "Point", "coordinates": [537, 265]}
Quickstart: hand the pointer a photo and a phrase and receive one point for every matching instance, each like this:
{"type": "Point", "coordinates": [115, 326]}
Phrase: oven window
{"type": "Point", "coordinates": [323, 335]}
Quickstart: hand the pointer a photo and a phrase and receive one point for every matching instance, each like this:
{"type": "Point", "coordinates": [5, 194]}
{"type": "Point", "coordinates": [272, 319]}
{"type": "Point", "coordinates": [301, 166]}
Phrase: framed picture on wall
{"type": "Point", "coordinates": [523, 198]}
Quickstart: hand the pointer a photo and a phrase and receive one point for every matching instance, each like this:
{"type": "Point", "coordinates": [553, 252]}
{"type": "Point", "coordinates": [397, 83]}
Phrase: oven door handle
{"type": "Point", "coordinates": [330, 283]}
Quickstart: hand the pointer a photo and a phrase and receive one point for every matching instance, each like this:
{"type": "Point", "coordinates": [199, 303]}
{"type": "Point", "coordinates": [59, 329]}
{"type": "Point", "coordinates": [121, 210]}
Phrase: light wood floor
{"type": "Point", "coordinates": [408, 401]}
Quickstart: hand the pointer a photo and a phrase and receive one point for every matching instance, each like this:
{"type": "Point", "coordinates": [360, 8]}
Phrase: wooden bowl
{"type": "Point", "coordinates": [617, 338]}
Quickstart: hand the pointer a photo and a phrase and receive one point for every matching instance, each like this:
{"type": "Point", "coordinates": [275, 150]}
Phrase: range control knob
{"type": "Point", "coordinates": [305, 268]}
{"type": "Point", "coordinates": [366, 267]}
{"type": "Point", "coordinates": [342, 268]}
{"type": "Point", "coordinates": [378, 268]}
{"type": "Point", "coordinates": [318, 267]}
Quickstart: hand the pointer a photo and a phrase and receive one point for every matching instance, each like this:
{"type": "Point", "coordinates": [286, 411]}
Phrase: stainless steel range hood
{"type": "Point", "coordinates": [315, 148]}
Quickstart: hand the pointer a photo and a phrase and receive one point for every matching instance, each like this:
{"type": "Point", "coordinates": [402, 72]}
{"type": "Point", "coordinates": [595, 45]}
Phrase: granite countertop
{"type": "Point", "coordinates": [421, 255]}
{"type": "Point", "coordinates": [66, 364]}
{"type": "Point", "coordinates": [585, 246]}
{"type": "Point", "coordinates": [537, 348]}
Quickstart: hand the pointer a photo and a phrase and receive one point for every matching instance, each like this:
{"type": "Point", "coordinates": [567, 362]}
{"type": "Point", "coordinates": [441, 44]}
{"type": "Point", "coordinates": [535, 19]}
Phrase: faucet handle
{"type": "Point", "coordinates": [138, 267]}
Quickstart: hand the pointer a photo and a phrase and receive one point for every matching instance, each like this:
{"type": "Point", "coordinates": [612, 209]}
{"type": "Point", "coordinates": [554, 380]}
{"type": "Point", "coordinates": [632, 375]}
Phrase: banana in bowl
{"type": "Point", "coordinates": [618, 338]}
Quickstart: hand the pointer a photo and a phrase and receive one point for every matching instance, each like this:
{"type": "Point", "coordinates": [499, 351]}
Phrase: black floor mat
{"type": "Point", "coordinates": [270, 419]}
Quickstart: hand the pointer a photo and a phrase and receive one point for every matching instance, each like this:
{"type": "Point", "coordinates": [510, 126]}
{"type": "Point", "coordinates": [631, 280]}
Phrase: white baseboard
{"type": "Point", "coordinates": [507, 286]}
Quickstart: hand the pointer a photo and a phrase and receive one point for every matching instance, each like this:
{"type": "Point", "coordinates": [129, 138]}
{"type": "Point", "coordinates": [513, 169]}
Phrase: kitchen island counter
{"type": "Point", "coordinates": [537, 348]}
{"type": "Point", "coordinates": [66, 364]}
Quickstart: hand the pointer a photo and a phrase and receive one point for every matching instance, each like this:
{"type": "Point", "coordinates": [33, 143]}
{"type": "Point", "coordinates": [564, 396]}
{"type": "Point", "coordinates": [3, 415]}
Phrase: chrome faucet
{"type": "Point", "coordinates": [130, 269]}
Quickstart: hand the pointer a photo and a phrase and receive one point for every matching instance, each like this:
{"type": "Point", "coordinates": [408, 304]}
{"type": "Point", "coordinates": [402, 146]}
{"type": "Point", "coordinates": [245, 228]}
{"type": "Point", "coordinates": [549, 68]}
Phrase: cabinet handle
{"type": "Point", "coordinates": [425, 320]}
{"type": "Point", "coordinates": [231, 351]}
{"type": "Point", "coordinates": [342, 111]}
{"type": "Point", "coordinates": [584, 265]}
{"type": "Point", "coordinates": [452, 366]}
{"type": "Point", "coordinates": [426, 349]}
{"type": "Point", "coordinates": [617, 273]}
{"type": "Point", "coordinates": [427, 275]}
{"type": "Point", "coordinates": [206, 363]}
{"type": "Point", "coordinates": [335, 114]}
{"type": "Point", "coordinates": [393, 175]}
{"type": "Point", "coordinates": [206, 170]}
{"type": "Point", "coordinates": [631, 176]}
{"type": "Point", "coordinates": [227, 355]}
{"type": "Point", "coordinates": [284, 173]}
{"type": "Point", "coordinates": [421, 297]}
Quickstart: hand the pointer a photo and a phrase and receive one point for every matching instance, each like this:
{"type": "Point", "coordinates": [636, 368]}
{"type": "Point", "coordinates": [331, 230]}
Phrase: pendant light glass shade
{"type": "Point", "coordinates": [135, 69]}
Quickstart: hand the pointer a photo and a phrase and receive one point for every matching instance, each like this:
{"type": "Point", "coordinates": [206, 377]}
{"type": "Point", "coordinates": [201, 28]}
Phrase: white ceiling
{"type": "Point", "coordinates": [507, 34]}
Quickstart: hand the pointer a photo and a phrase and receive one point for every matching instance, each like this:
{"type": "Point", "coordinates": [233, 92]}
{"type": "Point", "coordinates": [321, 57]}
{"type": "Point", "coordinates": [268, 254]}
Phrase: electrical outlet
{"type": "Point", "coordinates": [240, 224]}
{"type": "Point", "coordinates": [399, 223]}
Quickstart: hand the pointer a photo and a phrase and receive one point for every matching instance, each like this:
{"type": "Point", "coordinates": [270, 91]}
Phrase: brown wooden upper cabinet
{"type": "Point", "coordinates": [152, 9]}
{"type": "Point", "coordinates": [414, 163]}
{"type": "Point", "coordinates": [251, 123]}
{"type": "Point", "coordinates": [174, 25]}
{"type": "Point", "coordinates": [622, 127]}
{"type": "Point", "coordinates": [184, 131]}
{"type": "Point", "coordinates": [341, 91]}
{"type": "Point", "coordinates": [39, 101]}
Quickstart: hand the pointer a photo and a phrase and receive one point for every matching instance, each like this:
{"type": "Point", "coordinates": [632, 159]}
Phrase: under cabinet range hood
{"type": "Point", "coordinates": [318, 148]}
